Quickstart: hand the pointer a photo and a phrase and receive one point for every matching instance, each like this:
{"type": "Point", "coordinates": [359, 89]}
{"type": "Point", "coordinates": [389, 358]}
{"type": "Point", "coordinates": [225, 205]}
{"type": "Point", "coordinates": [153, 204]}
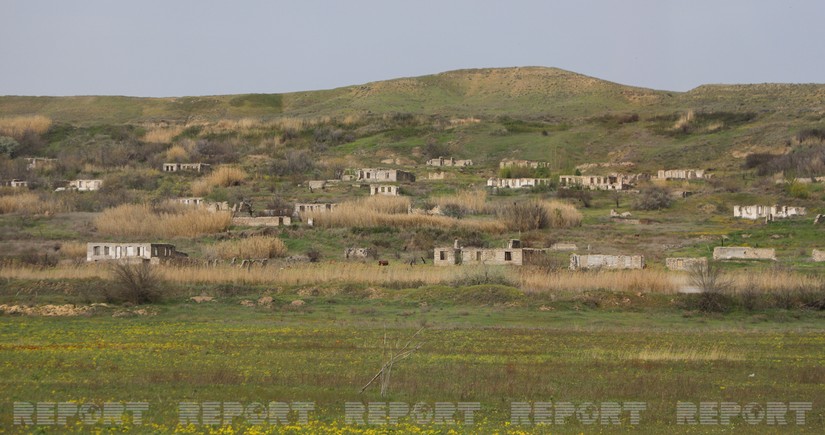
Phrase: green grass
{"type": "Point", "coordinates": [473, 351]}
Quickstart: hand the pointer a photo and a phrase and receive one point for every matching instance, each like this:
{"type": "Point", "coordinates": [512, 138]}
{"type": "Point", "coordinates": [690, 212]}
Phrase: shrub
{"type": "Point", "coordinates": [537, 214]}
{"type": "Point", "coordinates": [714, 287]}
{"type": "Point", "coordinates": [652, 198]}
{"type": "Point", "coordinates": [17, 126]}
{"type": "Point", "coordinates": [8, 145]}
{"type": "Point", "coordinates": [134, 283]}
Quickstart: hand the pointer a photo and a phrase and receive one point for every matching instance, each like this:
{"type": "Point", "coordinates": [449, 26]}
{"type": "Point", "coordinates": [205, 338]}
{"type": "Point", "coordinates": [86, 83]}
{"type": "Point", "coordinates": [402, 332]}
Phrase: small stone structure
{"type": "Point", "coordinates": [384, 189]}
{"type": "Point", "coordinates": [595, 182]}
{"type": "Point", "coordinates": [441, 161]}
{"type": "Point", "coordinates": [376, 175]}
{"type": "Point", "coordinates": [33, 163]}
{"type": "Point", "coordinates": [152, 253]}
{"type": "Point", "coordinates": [83, 185]}
{"type": "Point", "coordinates": [313, 207]}
{"type": "Point", "coordinates": [353, 253]}
{"type": "Point", "coordinates": [517, 183]}
{"type": "Point", "coordinates": [818, 255]}
{"type": "Point", "coordinates": [513, 254]}
{"type": "Point", "coordinates": [681, 174]}
{"type": "Point", "coordinates": [598, 261]}
{"type": "Point", "coordinates": [317, 184]}
{"type": "Point", "coordinates": [685, 263]}
{"type": "Point", "coordinates": [767, 212]}
{"type": "Point", "coordinates": [18, 184]}
{"type": "Point", "coordinates": [561, 246]}
{"type": "Point", "coordinates": [262, 221]}
{"type": "Point", "coordinates": [194, 167]}
{"type": "Point", "coordinates": [743, 253]}
{"type": "Point", "coordinates": [511, 163]}
{"type": "Point", "coordinates": [819, 219]}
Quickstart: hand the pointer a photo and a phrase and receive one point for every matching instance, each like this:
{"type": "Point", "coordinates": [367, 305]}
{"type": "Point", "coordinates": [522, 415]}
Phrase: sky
{"type": "Point", "coordinates": [163, 48]}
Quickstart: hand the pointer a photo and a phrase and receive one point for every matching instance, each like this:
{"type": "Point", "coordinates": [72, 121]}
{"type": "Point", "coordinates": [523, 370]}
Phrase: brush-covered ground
{"type": "Point", "coordinates": [488, 344]}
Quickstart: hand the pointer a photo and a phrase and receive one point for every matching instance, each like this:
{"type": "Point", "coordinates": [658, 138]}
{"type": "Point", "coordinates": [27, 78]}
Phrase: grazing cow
{"type": "Point", "coordinates": [383, 263]}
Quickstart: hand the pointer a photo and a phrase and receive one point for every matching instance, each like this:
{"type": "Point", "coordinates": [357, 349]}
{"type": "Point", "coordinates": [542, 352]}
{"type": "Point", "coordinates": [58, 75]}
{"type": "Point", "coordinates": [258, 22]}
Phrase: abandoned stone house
{"type": "Point", "coordinates": [595, 182]}
{"type": "Point", "coordinates": [384, 189]}
{"type": "Point", "coordinates": [82, 185]}
{"type": "Point", "coordinates": [685, 263]}
{"type": "Point", "coordinates": [360, 253]}
{"type": "Point", "coordinates": [17, 184]}
{"type": "Point", "coordinates": [372, 175]}
{"type": "Point", "coordinates": [598, 261]}
{"type": "Point", "coordinates": [33, 163]}
{"type": "Point", "coordinates": [441, 161]}
{"type": "Point", "coordinates": [194, 167]}
{"type": "Point", "coordinates": [767, 212]}
{"type": "Point", "coordinates": [313, 207]}
{"type": "Point", "coordinates": [510, 163]}
{"type": "Point", "coordinates": [743, 253]}
{"type": "Point", "coordinates": [517, 183]}
{"type": "Point", "coordinates": [262, 221]}
{"type": "Point", "coordinates": [152, 253]}
{"type": "Point", "coordinates": [195, 200]}
{"type": "Point", "coordinates": [681, 174]}
{"type": "Point", "coordinates": [513, 254]}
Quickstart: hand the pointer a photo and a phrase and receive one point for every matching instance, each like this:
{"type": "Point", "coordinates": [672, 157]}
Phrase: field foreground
{"type": "Point", "coordinates": [319, 353]}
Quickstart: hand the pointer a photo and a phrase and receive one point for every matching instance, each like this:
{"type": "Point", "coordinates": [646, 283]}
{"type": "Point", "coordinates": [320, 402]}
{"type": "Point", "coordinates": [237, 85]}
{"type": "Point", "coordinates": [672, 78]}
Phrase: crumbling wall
{"type": "Point", "coordinates": [517, 183]}
{"type": "Point", "coordinates": [446, 256]}
{"type": "Point", "coordinates": [496, 256]}
{"type": "Point", "coordinates": [563, 247]}
{"type": "Point", "coordinates": [743, 253]}
{"type": "Point", "coordinates": [685, 263]}
{"type": "Point", "coordinates": [264, 221]}
{"type": "Point", "coordinates": [598, 261]}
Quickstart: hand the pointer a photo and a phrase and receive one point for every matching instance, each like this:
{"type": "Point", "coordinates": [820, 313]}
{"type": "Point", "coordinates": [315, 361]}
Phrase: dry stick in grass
{"type": "Point", "coordinates": [386, 369]}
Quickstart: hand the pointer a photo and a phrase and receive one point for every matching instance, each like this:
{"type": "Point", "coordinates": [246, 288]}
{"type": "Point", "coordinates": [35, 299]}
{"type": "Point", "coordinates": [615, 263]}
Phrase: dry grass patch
{"type": "Point", "coordinates": [392, 211]}
{"type": "Point", "coordinates": [473, 201]}
{"type": "Point", "coordinates": [537, 280]}
{"type": "Point", "coordinates": [223, 176]}
{"type": "Point", "coordinates": [131, 220]}
{"type": "Point", "coordinates": [31, 203]}
{"type": "Point", "coordinates": [17, 126]}
{"type": "Point", "coordinates": [251, 247]}
{"type": "Point", "coordinates": [73, 250]}
{"type": "Point", "coordinates": [163, 134]}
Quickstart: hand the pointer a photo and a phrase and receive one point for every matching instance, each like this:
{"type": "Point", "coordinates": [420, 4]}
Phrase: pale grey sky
{"type": "Point", "coordinates": [203, 47]}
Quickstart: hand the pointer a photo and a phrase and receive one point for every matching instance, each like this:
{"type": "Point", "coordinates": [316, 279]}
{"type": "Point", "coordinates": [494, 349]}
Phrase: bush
{"type": "Point", "coordinates": [714, 287]}
{"type": "Point", "coordinates": [537, 214]}
{"type": "Point", "coordinates": [652, 198]}
{"type": "Point", "coordinates": [134, 283]}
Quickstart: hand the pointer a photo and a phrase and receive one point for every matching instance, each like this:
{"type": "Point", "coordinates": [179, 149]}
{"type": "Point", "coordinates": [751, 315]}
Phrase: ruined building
{"type": "Point", "coordinates": [372, 175]}
{"type": "Point", "coordinates": [152, 253]}
{"type": "Point", "coordinates": [510, 163]}
{"type": "Point", "coordinates": [384, 189]}
{"type": "Point", "coordinates": [743, 253]}
{"type": "Point", "coordinates": [681, 174]}
{"type": "Point", "coordinates": [441, 161]}
{"type": "Point", "coordinates": [517, 183]}
{"type": "Point", "coordinates": [194, 167]}
{"type": "Point", "coordinates": [513, 254]}
{"type": "Point", "coordinates": [595, 182]}
{"type": "Point", "coordinates": [767, 212]}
